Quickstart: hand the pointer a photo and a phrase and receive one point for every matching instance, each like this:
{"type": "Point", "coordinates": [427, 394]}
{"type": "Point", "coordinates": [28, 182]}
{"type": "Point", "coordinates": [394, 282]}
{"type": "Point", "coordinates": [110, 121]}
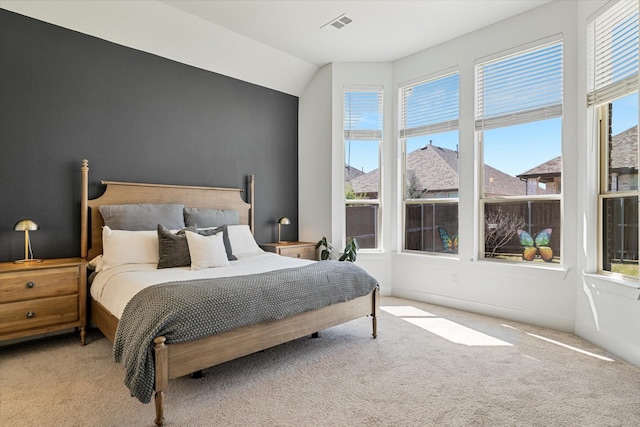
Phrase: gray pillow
{"type": "Point", "coordinates": [173, 249]}
{"type": "Point", "coordinates": [225, 239]}
{"type": "Point", "coordinates": [137, 217]}
{"type": "Point", "coordinates": [204, 218]}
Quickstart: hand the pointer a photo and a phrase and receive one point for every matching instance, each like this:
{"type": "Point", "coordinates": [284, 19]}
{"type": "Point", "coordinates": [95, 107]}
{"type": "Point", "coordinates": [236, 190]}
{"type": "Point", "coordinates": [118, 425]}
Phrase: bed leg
{"type": "Point", "coordinates": [159, 411]}
{"type": "Point", "coordinates": [375, 310]}
{"type": "Point", "coordinates": [161, 353]}
{"type": "Point", "coordinates": [315, 335]}
{"type": "Point", "coordinates": [375, 327]}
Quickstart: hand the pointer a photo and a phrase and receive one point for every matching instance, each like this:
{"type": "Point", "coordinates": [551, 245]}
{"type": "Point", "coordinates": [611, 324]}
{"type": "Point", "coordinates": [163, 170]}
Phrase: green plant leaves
{"type": "Point", "coordinates": [349, 254]}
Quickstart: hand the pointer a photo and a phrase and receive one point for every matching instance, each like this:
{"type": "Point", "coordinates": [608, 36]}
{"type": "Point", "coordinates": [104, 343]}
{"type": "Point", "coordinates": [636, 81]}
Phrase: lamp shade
{"type": "Point", "coordinates": [284, 221]}
{"type": "Point", "coordinates": [25, 225]}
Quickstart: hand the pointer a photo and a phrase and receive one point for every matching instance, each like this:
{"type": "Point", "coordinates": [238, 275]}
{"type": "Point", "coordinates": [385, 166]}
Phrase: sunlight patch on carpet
{"type": "Point", "coordinates": [406, 311]}
{"type": "Point", "coordinates": [444, 328]}
{"type": "Point", "coordinates": [456, 333]}
{"type": "Point", "coordinates": [570, 347]}
{"type": "Point", "coordinates": [567, 346]}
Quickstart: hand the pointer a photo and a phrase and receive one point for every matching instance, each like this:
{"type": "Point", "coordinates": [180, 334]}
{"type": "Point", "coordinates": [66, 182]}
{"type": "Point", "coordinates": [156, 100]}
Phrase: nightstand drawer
{"type": "Point", "coordinates": [304, 252]}
{"type": "Point", "coordinates": [16, 316]}
{"type": "Point", "coordinates": [26, 285]}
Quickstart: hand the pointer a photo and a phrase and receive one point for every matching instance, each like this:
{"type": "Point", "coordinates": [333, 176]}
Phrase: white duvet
{"type": "Point", "coordinates": [113, 288]}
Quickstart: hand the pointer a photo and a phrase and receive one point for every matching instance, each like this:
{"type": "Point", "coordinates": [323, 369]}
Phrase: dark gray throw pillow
{"type": "Point", "coordinates": [143, 216]}
{"type": "Point", "coordinates": [211, 217]}
{"type": "Point", "coordinates": [225, 239]}
{"type": "Point", "coordinates": [173, 249]}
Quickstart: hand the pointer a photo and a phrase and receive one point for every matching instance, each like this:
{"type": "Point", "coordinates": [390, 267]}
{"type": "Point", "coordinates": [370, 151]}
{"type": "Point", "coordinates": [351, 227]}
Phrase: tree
{"type": "Point", "coordinates": [499, 228]}
{"type": "Point", "coordinates": [350, 194]}
{"type": "Point", "coordinates": [413, 192]}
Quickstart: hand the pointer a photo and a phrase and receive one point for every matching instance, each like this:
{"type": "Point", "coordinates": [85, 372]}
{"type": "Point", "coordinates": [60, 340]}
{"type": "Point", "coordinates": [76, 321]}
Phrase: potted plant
{"type": "Point", "coordinates": [328, 252]}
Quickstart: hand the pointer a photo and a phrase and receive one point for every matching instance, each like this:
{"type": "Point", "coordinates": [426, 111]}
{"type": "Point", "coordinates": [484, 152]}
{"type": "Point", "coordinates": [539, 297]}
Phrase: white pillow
{"type": "Point", "coordinates": [128, 247]}
{"type": "Point", "coordinates": [241, 239]}
{"type": "Point", "coordinates": [206, 251]}
{"type": "Point", "coordinates": [96, 264]}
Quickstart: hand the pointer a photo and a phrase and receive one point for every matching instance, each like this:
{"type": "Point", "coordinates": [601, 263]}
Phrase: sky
{"type": "Point", "coordinates": [512, 149]}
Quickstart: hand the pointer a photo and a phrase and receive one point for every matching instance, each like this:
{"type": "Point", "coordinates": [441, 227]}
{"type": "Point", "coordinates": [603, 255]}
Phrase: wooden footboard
{"type": "Point", "coordinates": [179, 359]}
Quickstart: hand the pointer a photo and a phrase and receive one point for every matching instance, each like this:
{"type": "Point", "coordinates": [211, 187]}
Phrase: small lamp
{"type": "Point", "coordinates": [282, 221]}
{"type": "Point", "coordinates": [26, 225]}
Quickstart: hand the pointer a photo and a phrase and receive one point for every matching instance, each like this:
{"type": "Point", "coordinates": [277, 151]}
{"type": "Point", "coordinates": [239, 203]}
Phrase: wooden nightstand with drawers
{"type": "Point", "coordinates": [40, 297]}
{"type": "Point", "coordinates": [303, 250]}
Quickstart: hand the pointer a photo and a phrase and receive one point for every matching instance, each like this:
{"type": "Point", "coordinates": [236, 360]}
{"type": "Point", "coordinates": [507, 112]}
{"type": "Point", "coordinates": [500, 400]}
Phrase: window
{"type": "Point", "coordinates": [429, 112]}
{"type": "Point", "coordinates": [519, 129]}
{"type": "Point", "coordinates": [363, 119]}
{"type": "Point", "coordinates": [613, 99]}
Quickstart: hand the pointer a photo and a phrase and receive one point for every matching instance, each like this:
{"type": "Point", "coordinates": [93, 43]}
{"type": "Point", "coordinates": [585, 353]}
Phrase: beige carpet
{"type": "Point", "coordinates": [409, 376]}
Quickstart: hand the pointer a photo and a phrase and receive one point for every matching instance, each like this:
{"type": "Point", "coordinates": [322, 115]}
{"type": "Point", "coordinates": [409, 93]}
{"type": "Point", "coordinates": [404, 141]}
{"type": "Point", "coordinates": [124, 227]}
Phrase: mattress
{"type": "Point", "coordinates": [114, 288]}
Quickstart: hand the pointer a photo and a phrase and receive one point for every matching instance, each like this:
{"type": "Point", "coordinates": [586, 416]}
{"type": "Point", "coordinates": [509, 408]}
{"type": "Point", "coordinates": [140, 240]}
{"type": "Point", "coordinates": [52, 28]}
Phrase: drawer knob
{"type": "Point", "coordinates": [31, 315]}
{"type": "Point", "coordinates": [298, 255]}
{"type": "Point", "coordinates": [30, 285]}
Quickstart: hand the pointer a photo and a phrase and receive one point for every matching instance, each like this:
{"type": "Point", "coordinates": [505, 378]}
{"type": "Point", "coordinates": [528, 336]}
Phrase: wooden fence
{"type": "Point", "coordinates": [423, 221]}
{"type": "Point", "coordinates": [620, 231]}
{"type": "Point", "coordinates": [362, 223]}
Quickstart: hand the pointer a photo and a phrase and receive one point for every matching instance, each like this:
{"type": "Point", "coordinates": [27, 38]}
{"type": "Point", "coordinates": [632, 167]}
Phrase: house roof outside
{"type": "Point", "coordinates": [350, 172]}
{"type": "Point", "coordinates": [435, 170]}
{"type": "Point", "coordinates": [550, 168]}
{"type": "Point", "coordinates": [624, 154]}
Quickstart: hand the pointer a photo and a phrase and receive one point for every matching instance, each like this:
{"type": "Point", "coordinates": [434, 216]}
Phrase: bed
{"type": "Point", "coordinates": [171, 358]}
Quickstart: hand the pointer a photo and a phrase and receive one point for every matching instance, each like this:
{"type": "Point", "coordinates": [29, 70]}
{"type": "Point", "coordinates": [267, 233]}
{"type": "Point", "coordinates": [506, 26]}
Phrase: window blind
{"type": "Point", "coordinates": [520, 88]}
{"type": "Point", "coordinates": [362, 114]}
{"type": "Point", "coordinates": [613, 51]}
{"type": "Point", "coordinates": [430, 106]}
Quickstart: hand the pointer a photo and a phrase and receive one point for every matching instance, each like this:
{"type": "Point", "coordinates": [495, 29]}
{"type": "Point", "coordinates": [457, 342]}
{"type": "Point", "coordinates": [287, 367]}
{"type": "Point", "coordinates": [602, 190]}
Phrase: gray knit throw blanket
{"type": "Point", "coordinates": [188, 310]}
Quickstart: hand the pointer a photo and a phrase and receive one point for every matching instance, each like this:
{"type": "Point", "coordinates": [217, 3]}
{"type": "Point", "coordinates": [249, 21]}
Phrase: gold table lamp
{"type": "Point", "coordinates": [26, 225]}
{"type": "Point", "coordinates": [282, 221]}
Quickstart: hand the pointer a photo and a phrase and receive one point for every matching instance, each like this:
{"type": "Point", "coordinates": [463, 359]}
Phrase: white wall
{"type": "Point", "coordinates": [315, 141]}
{"type": "Point", "coordinates": [321, 159]}
{"type": "Point", "coordinates": [565, 298]}
{"type": "Point", "coordinates": [607, 310]}
{"type": "Point", "coordinates": [377, 263]}
{"type": "Point", "coordinates": [544, 296]}
{"type": "Point", "coordinates": [158, 28]}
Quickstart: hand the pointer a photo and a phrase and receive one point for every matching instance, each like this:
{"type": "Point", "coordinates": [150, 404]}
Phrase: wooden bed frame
{"type": "Point", "coordinates": [178, 359]}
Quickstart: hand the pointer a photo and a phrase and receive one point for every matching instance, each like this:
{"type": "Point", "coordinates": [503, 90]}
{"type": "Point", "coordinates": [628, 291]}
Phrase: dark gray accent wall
{"type": "Point", "coordinates": [66, 96]}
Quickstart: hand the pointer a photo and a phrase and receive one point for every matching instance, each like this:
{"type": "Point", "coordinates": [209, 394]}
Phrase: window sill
{"type": "Point", "coordinates": [555, 272]}
{"type": "Point", "coordinates": [613, 285]}
{"type": "Point", "coordinates": [440, 255]}
{"type": "Point", "coordinates": [370, 252]}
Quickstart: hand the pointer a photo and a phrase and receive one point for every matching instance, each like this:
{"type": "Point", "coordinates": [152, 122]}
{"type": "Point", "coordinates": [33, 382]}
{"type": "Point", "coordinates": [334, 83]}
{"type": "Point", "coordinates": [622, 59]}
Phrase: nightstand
{"type": "Point", "coordinates": [303, 250]}
{"type": "Point", "coordinates": [40, 297]}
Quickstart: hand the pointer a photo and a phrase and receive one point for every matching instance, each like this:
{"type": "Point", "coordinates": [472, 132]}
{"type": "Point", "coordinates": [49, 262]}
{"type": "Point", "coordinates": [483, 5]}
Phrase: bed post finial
{"type": "Point", "coordinates": [252, 185]}
{"type": "Point", "coordinates": [84, 210]}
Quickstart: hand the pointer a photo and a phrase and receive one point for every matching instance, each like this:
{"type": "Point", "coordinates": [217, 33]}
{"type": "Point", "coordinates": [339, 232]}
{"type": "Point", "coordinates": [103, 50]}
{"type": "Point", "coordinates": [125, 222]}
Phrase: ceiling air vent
{"type": "Point", "coordinates": [337, 23]}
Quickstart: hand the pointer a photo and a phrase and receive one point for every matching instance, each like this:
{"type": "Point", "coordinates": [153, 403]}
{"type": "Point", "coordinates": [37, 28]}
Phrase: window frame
{"type": "Point", "coordinates": [431, 128]}
{"type": "Point", "coordinates": [364, 135]}
{"type": "Point", "coordinates": [539, 115]}
{"type": "Point", "coordinates": [602, 90]}
{"type": "Point", "coordinates": [601, 137]}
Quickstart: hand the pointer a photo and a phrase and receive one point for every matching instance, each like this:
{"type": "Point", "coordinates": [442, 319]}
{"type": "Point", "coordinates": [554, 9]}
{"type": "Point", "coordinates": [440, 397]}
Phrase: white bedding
{"type": "Point", "coordinates": [113, 288]}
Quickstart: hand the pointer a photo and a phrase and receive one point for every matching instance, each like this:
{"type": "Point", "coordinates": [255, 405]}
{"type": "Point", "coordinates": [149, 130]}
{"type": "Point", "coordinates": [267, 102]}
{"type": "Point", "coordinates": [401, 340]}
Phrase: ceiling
{"type": "Point", "coordinates": [381, 31]}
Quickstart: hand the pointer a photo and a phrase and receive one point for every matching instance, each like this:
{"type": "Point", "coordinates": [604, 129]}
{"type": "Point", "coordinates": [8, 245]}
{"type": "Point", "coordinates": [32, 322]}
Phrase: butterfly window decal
{"type": "Point", "coordinates": [538, 245]}
{"type": "Point", "coordinates": [450, 243]}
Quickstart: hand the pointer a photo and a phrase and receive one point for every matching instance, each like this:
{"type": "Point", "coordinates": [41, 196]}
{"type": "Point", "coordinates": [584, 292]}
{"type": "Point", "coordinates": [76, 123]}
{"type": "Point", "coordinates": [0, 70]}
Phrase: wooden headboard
{"type": "Point", "coordinates": [118, 193]}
